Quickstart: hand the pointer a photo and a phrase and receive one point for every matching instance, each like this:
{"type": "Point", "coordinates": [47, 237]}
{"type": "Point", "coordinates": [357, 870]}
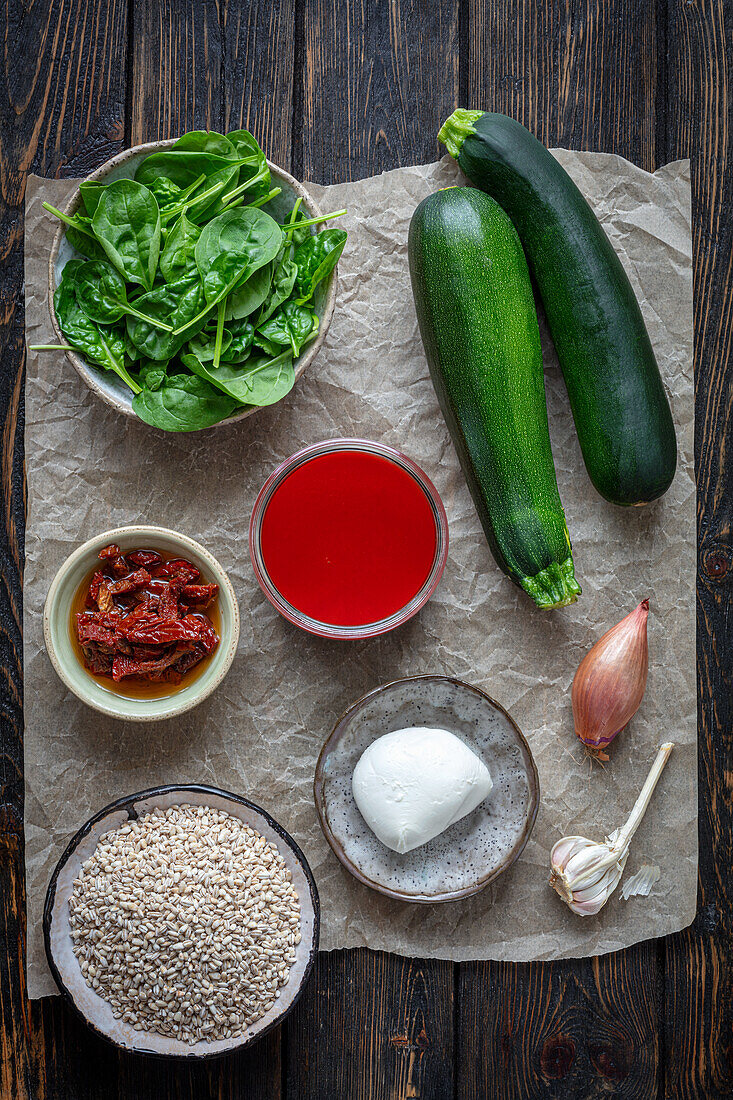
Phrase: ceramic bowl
{"type": "Point", "coordinates": [65, 968]}
{"type": "Point", "coordinates": [57, 626]}
{"type": "Point", "coordinates": [106, 385]}
{"type": "Point", "coordinates": [472, 852]}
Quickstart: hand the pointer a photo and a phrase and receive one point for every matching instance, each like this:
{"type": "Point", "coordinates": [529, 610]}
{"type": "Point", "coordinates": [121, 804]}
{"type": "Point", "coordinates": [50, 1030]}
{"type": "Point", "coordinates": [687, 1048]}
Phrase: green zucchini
{"type": "Point", "coordinates": [617, 397]}
{"type": "Point", "coordinates": [478, 323]}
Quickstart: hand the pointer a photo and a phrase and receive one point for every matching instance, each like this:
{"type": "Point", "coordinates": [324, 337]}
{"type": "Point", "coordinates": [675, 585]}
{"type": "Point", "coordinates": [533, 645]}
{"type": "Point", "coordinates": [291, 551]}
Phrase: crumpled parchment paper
{"type": "Point", "coordinates": [260, 733]}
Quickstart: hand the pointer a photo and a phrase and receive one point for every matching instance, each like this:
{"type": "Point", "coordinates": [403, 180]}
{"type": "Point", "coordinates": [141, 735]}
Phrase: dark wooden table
{"type": "Point", "coordinates": [335, 90]}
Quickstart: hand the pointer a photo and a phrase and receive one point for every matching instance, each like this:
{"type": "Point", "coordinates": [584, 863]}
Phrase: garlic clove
{"type": "Point", "coordinates": [584, 872]}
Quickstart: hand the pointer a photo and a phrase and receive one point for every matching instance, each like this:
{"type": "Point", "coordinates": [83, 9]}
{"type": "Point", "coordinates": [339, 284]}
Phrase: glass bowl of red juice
{"type": "Point", "coordinates": [348, 538]}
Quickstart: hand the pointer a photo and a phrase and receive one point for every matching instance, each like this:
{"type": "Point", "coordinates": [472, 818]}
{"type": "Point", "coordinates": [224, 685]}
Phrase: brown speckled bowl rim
{"type": "Point", "coordinates": [335, 736]}
{"type": "Point", "coordinates": [87, 373]}
{"type": "Point", "coordinates": [128, 803]}
{"type": "Point", "coordinates": [186, 544]}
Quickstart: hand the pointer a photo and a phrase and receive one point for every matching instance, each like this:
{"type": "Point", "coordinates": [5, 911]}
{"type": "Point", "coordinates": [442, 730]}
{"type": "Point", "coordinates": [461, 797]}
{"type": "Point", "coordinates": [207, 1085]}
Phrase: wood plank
{"type": "Point", "coordinates": [577, 74]}
{"type": "Point", "coordinates": [581, 75]}
{"type": "Point", "coordinates": [259, 56]}
{"type": "Point", "coordinates": [372, 1027]}
{"type": "Point", "coordinates": [71, 1062]}
{"type": "Point", "coordinates": [176, 79]}
{"type": "Point", "coordinates": [61, 113]}
{"type": "Point", "coordinates": [373, 82]}
{"type": "Point", "coordinates": [568, 1029]}
{"type": "Point", "coordinates": [699, 961]}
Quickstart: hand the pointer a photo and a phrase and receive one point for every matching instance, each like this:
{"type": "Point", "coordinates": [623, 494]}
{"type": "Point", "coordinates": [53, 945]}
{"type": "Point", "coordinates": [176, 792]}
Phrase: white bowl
{"type": "Point", "coordinates": [61, 650]}
{"type": "Point", "coordinates": [64, 964]}
{"type": "Point", "coordinates": [105, 384]}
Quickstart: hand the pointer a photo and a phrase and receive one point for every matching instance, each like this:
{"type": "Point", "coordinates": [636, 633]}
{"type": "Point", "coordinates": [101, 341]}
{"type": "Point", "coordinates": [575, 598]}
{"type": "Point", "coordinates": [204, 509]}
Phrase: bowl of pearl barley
{"type": "Point", "coordinates": [182, 922]}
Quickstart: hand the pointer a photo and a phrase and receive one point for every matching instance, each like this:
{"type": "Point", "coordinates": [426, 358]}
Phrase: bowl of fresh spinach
{"type": "Point", "coordinates": [192, 281]}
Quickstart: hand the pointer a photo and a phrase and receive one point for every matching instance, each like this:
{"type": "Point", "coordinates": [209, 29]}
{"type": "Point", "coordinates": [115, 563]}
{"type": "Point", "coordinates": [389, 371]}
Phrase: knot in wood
{"type": "Point", "coordinates": [558, 1055]}
{"type": "Point", "coordinates": [611, 1060]}
{"type": "Point", "coordinates": [716, 561]}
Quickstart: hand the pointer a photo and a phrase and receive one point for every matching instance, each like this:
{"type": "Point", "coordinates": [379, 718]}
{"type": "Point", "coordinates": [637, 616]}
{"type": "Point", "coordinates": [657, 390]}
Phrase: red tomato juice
{"type": "Point", "coordinates": [348, 538]}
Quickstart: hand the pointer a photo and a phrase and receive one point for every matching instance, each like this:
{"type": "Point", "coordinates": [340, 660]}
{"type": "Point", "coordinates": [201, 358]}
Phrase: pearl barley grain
{"type": "Point", "coordinates": [185, 920]}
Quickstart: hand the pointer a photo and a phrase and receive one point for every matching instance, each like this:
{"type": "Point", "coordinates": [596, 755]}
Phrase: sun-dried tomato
{"type": "Point", "coordinates": [177, 565]}
{"type": "Point", "coordinates": [93, 593]}
{"type": "Point", "coordinates": [130, 583]}
{"type": "Point", "coordinates": [143, 559]}
{"type": "Point", "coordinates": [144, 617]}
{"type": "Point", "coordinates": [199, 595]}
{"type": "Point", "coordinates": [162, 632]}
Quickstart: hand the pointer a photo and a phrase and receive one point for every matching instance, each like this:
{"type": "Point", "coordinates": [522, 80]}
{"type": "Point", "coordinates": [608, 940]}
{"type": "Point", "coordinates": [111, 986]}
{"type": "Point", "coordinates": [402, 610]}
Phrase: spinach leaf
{"type": "Point", "coordinates": [180, 166]}
{"type": "Point", "coordinates": [245, 298]}
{"type": "Point", "coordinates": [207, 141]}
{"type": "Point", "coordinates": [127, 225]}
{"type": "Point", "coordinates": [259, 382]}
{"type": "Point", "coordinates": [230, 247]}
{"type": "Point", "coordinates": [183, 403]}
{"type": "Point", "coordinates": [283, 281]}
{"type": "Point", "coordinates": [174, 303]}
{"type": "Point", "coordinates": [103, 347]}
{"type": "Point", "coordinates": [167, 193]}
{"type": "Point", "coordinates": [241, 334]}
{"type": "Point", "coordinates": [203, 344]}
{"type": "Point", "coordinates": [88, 246]}
{"type": "Point", "coordinates": [254, 172]}
{"type": "Point", "coordinates": [101, 293]}
{"type": "Point", "coordinates": [177, 260]}
{"type": "Point", "coordinates": [315, 259]}
{"type": "Point", "coordinates": [265, 345]}
{"type": "Point", "coordinates": [152, 374]}
{"type": "Point", "coordinates": [91, 192]}
{"type": "Point", "coordinates": [292, 324]}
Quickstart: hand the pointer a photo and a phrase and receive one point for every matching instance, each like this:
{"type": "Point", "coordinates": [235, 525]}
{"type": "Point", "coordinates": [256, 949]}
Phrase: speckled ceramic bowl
{"type": "Point", "coordinates": [106, 385]}
{"type": "Point", "coordinates": [65, 968]}
{"type": "Point", "coordinates": [57, 626]}
{"type": "Point", "coordinates": [472, 852]}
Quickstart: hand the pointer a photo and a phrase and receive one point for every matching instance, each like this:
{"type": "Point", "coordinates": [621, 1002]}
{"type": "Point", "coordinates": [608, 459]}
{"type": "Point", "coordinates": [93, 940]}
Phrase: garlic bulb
{"type": "Point", "coordinates": [610, 682]}
{"type": "Point", "coordinates": [584, 872]}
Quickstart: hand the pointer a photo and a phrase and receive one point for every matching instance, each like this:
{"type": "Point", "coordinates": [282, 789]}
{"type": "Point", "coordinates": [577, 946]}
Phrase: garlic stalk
{"type": "Point", "coordinates": [584, 872]}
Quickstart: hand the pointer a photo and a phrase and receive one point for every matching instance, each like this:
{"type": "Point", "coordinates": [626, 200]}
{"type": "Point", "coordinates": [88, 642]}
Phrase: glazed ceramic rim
{"type": "Point", "coordinates": [533, 781]}
{"type": "Point", "coordinates": [365, 630]}
{"type": "Point", "coordinates": [88, 373]}
{"type": "Point", "coordinates": [127, 803]}
{"type": "Point", "coordinates": [186, 544]}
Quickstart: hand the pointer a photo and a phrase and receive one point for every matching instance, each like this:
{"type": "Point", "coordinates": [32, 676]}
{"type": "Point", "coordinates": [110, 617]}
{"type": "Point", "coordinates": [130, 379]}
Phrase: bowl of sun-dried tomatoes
{"type": "Point", "coordinates": [141, 623]}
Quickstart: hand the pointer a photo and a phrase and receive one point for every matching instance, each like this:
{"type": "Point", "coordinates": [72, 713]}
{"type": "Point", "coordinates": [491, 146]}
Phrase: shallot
{"type": "Point", "coordinates": [610, 682]}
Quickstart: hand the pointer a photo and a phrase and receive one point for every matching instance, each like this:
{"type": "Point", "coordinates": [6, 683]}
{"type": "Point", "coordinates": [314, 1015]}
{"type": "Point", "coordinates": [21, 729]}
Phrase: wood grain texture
{"type": "Point", "coordinates": [699, 961]}
{"type": "Point", "coordinates": [577, 74]}
{"type": "Point", "coordinates": [376, 79]}
{"type": "Point", "coordinates": [71, 1062]}
{"type": "Point", "coordinates": [559, 1030]}
{"type": "Point", "coordinates": [372, 1027]}
{"type": "Point", "coordinates": [259, 58]}
{"type": "Point", "coordinates": [61, 112]}
{"type": "Point", "coordinates": [175, 69]}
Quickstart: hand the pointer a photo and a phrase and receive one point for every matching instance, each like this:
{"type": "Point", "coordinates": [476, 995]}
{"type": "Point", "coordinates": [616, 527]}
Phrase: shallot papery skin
{"type": "Point", "coordinates": [611, 679]}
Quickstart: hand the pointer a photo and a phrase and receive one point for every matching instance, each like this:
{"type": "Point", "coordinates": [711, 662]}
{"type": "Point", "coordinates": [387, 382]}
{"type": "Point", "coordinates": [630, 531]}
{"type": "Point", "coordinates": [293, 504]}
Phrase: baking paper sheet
{"type": "Point", "coordinates": [90, 469]}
